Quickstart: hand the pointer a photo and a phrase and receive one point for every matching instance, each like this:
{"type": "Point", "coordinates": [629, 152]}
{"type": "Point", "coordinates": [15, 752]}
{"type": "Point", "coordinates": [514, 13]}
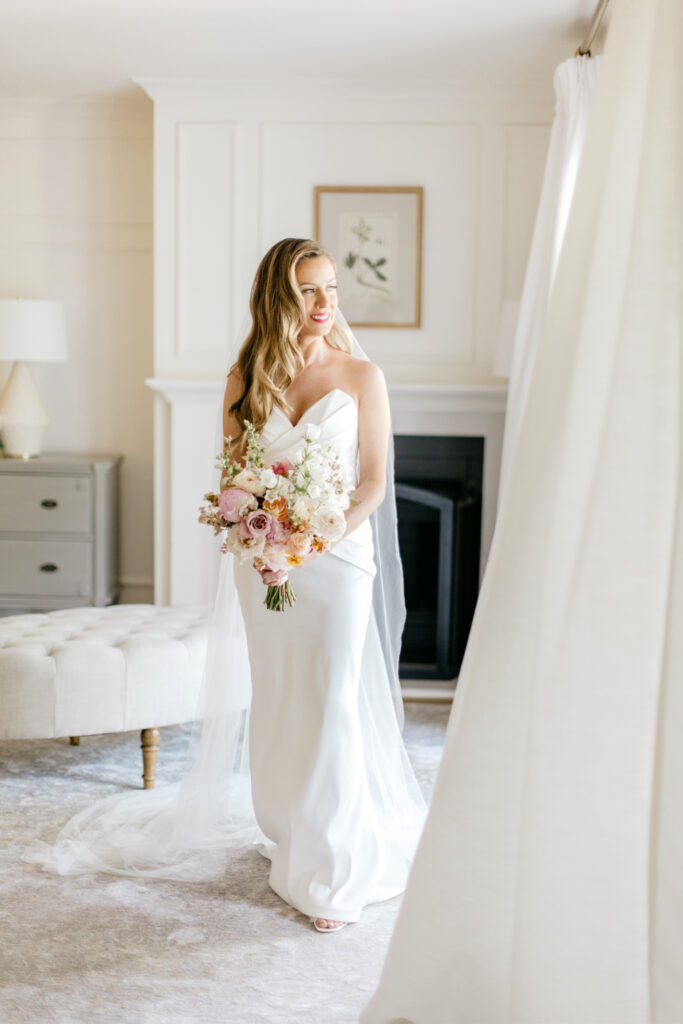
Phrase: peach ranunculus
{"type": "Point", "coordinates": [299, 544]}
{"type": "Point", "coordinates": [278, 508]}
{"type": "Point", "coordinates": [274, 556]}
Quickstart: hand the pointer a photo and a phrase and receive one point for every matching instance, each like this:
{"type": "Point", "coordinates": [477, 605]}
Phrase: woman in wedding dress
{"type": "Point", "coordinates": [309, 780]}
{"type": "Point", "coordinates": [309, 700]}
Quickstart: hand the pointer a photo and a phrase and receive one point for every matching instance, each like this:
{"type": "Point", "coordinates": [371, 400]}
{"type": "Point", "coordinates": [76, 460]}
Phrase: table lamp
{"type": "Point", "coordinates": [31, 331]}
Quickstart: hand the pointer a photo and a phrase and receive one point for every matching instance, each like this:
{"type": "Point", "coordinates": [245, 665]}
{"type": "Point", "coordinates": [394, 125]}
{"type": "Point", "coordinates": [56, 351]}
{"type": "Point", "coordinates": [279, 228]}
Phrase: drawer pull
{"type": "Point", "coordinates": [49, 567]}
{"type": "Point", "coordinates": [49, 503]}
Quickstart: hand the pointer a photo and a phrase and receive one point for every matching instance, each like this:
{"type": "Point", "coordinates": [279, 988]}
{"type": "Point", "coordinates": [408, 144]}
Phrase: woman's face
{"type": "Point", "coordinates": [318, 285]}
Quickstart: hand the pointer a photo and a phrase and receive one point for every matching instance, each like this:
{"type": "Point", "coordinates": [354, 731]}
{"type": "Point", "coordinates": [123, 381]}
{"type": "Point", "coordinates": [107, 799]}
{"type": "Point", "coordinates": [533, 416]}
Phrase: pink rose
{"type": "Point", "coordinates": [283, 467]}
{"type": "Point", "coordinates": [257, 524]}
{"type": "Point", "coordinates": [233, 502]}
{"type": "Point", "coordinates": [277, 531]}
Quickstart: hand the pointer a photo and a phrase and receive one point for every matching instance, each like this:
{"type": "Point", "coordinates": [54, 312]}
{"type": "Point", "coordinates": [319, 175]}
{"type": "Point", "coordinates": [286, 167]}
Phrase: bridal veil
{"type": "Point", "coordinates": [182, 831]}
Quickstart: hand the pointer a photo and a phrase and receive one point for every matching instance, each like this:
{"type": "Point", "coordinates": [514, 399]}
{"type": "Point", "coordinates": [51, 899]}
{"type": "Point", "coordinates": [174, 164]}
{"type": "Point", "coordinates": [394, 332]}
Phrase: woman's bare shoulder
{"type": "Point", "coordinates": [361, 373]}
{"type": "Point", "coordinates": [364, 379]}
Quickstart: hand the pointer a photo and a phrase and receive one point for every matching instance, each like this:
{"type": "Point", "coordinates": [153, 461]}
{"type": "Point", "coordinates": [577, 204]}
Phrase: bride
{"type": "Point", "coordinates": [334, 796]}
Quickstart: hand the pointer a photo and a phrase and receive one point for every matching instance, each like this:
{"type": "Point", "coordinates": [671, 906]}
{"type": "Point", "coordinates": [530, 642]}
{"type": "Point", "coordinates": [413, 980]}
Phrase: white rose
{"type": "Point", "coordinates": [248, 480]}
{"type": "Point", "coordinates": [268, 478]}
{"type": "Point", "coordinates": [284, 486]}
{"type": "Point", "coordinates": [252, 548]}
{"type": "Point", "coordinates": [312, 432]}
{"type": "Point", "coordinates": [329, 524]}
{"type": "Point", "coordinates": [303, 509]}
{"type": "Point", "coordinates": [237, 546]}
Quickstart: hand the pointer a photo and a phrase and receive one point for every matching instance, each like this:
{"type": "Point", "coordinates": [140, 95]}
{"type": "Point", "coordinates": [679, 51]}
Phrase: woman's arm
{"type": "Point", "coordinates": [373, 439]}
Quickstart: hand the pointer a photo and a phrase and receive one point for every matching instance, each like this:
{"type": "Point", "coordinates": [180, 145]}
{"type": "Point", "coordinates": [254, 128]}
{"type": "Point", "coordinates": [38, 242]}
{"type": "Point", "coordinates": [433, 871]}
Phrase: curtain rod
{"type": "Point", "coordinates": [584, 49]}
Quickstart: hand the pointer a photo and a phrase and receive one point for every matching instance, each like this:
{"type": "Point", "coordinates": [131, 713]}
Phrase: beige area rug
{"type": "Point", "coordinates": [107, 950]}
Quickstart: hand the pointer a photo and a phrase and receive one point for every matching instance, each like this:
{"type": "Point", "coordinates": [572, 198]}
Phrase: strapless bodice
{"type": "Point", "coordinates": [336, 414]}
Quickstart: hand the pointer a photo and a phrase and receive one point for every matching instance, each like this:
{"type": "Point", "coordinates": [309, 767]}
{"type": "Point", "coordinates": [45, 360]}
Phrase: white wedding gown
{"type": "Point", "coordinates": [312, 781]}
{"type": "Point", "coordinates": [339, 808]}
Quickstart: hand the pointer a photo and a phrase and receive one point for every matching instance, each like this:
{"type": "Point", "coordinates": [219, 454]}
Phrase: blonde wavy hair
{"type": "Point", "coordinates": [270, 358]}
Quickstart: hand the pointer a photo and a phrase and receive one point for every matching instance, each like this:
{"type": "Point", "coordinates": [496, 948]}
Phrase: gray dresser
{"type": "Point", "coordinates": [58, 532]}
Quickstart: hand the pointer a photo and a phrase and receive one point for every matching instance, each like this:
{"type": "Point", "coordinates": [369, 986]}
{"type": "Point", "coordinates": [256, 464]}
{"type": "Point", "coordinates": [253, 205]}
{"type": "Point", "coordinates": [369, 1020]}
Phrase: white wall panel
{"type": "Point", "coordinates": [526, 147]}
{"type": "Point", "coordinates": [204, 251]}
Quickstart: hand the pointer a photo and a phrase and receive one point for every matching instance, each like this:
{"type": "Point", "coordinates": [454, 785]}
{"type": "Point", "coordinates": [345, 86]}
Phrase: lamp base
{"type": "Point", "coordinates": [23, 417]}
{"type": "Point", "coordinates": [22, 440]}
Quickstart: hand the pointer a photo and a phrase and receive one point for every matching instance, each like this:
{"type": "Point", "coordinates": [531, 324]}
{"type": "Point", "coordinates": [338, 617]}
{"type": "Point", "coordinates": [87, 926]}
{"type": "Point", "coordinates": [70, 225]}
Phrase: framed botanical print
{"type": "Point", "coordinates": [375, 235]}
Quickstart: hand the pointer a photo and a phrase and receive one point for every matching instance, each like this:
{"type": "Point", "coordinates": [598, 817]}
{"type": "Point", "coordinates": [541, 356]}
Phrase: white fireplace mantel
{"type": "Point", "coordinates": [186, 431]}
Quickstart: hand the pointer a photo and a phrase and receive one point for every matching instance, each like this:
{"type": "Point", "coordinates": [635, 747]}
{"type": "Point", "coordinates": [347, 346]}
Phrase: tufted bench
{"type": "Point", "coordinates": [83, 671]}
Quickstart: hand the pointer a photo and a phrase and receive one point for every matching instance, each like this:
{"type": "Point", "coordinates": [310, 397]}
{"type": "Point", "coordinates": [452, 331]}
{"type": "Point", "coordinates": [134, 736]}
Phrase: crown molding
{"type": "Point", "coordinates": [350, 89]}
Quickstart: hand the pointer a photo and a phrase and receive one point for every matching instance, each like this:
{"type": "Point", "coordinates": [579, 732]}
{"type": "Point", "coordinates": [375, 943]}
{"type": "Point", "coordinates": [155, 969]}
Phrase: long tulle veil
{"type": "Point", "coordinates": [183, 831]}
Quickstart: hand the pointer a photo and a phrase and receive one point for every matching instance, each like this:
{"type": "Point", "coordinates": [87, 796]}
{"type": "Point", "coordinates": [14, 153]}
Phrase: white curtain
{"type": "Point", "coordinates": [548, 885]}
{"type": "Point", "coordinates": [574, 83]}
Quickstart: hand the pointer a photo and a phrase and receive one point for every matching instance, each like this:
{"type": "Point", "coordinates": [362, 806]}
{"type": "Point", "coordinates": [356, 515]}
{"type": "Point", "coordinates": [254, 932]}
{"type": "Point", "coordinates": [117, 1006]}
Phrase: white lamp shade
{"type": "Point", "coordinates": [32, 331]}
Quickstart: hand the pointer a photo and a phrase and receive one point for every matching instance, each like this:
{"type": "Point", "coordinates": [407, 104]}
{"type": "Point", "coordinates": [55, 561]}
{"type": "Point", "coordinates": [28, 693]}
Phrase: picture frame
{"type": "Point", "coordinates": [375, 235]}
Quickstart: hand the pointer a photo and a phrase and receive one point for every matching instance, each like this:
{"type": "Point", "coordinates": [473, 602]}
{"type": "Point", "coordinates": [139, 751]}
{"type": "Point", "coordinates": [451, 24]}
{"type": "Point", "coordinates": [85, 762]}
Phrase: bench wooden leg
{"type": "Point", "coordinates": [150, 748]}
{"type": "Point", "coordinates": [74, 740]}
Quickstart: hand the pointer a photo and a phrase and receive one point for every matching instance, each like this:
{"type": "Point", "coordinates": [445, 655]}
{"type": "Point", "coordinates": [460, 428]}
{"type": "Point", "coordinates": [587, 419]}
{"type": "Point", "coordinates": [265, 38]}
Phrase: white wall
{"type": "Point", "coordinates": [76, 225]}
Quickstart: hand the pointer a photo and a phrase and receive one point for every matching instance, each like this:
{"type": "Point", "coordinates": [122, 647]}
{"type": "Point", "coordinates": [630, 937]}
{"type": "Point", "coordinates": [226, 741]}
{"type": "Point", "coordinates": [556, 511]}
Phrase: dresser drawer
{"type": "Point", "coordinates": [45, 503]}
{"type": "Point", "coordinates": [35, 568]}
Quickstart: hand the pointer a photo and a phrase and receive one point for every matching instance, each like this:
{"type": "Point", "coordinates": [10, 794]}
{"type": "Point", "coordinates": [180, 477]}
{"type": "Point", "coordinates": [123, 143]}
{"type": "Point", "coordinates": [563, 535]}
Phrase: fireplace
{"type": "Point", "coordinates": [439, 502]}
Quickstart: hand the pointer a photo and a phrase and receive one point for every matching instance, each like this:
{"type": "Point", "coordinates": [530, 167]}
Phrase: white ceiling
{"type": "Point", "coordinates": [95, 47]}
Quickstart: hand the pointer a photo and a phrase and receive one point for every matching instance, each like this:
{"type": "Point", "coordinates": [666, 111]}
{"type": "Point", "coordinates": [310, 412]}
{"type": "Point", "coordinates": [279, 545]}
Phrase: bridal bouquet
{"type": "Point", "coordinates": [278, 514]}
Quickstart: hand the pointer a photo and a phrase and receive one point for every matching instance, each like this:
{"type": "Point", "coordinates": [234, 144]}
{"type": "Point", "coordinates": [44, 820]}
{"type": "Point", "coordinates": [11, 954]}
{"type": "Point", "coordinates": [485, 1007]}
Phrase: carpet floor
{"type": "Point", "coordinates": [106, 950]}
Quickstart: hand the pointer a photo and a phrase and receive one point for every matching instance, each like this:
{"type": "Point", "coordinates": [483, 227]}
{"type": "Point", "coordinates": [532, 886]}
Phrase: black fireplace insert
{"type": "Point", "coordinates": [438, 497]}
